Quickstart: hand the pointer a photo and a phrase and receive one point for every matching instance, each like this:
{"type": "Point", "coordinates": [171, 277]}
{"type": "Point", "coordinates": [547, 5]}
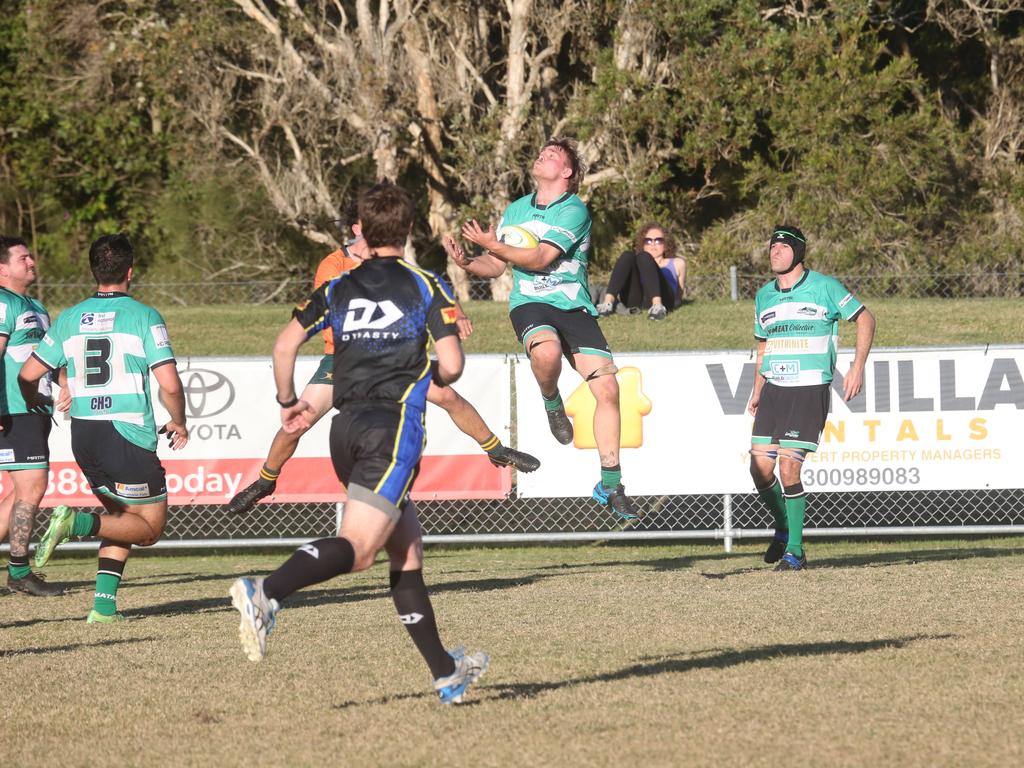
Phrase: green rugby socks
{"type": "Point", "coordinates": [772, 498]}
{"type": "Point", "coordinates": [796, 505]}
{"type": "Point", "coordinates": [611, 477]}
{"type": "Point", "coordinates": [85, 524]}
{"type": "Point", "coordinates": [492, 443]}
{"type": "Point", "coordinates": [17, 567]}
{"type": "Point", "coordinates": [108, 579]}
{"type": "Point", "coordinates": [554, 402]}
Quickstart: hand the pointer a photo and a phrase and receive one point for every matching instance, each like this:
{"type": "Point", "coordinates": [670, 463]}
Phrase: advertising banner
{"type": "Point", "coordinates": [930, 419]}
{"type": "Point", "coordinates": [232, 419]}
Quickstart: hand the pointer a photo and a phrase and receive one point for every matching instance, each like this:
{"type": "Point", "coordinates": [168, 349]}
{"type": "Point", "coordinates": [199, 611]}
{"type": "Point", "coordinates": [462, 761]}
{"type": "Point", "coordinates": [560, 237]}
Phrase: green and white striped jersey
{"type": "Point", "coordinates": [800, 328]}
{"type": "Point", "coordinates": [109, 343]}
{"type": "Point", "coordinates": [23, 321]}
{"type": "Point", "coordinates": [565, 224]}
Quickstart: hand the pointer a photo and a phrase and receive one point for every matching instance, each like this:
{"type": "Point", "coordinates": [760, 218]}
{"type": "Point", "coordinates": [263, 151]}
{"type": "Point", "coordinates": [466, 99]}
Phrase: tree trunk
{"type": "Point", "coordinates": [516, 103]}
{"type": "Point", "coordinates": [441, 215]}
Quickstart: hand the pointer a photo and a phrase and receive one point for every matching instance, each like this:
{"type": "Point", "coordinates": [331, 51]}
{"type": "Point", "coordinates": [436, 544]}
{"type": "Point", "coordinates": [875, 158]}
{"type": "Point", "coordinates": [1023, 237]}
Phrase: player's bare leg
{"type": "Point", "coordinates": [5, 513]}
{"type": "Point", "coordinates": [599, 373]}
{"type": "Point", "coordinates": [123, 526]}
{"type": "Point", "coordinates": [545, 352]}
{"type": "Point", "coordinates": [139, 524]}
{"type": "Point", "coordinates": [319, 396]}
{"type": "Point", "coordinates": [470, 423]}
{"type": "Point", "coordinates": [17, 517]}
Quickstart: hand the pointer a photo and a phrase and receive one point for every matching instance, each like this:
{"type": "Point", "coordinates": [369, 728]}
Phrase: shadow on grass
{"type": "Point", "coordinates": [73, 647]}
{"type": "Point", "coordinates": [717, 659]}
{"type": "Point", "coordinates": [32, 622]}
{"type": "Point", "coordinates": [673, 663]}
{"type": "Point", "coordinates": [653, 564]}
{"type": "Point", "coordinates": [881, 560]}
{"type": "Point", "coordinates": [329, 596]}
{"type": "Point", "coordinates": [155, 580]}
{"type": "Point", "coordinates": [166, 579]}
{"type": "Point", "coordinates": [303, 599]}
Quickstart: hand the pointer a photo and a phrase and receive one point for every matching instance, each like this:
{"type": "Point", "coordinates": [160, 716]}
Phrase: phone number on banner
{"type": "Point", "coordinates": [861, 477]}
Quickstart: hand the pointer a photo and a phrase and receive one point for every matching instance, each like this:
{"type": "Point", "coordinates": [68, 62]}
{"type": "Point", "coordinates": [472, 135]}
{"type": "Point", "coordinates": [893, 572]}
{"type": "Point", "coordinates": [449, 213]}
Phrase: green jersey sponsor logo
{"type": "Point", "coordinates": [565, 224]}
{"type": "Point", "coordinates": [800, 328]}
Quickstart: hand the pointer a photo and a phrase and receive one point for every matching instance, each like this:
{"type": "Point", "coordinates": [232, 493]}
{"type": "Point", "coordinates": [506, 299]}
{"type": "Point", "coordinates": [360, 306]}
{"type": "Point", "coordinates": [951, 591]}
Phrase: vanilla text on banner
{"type": "Point", "coordinates": [931, 419]}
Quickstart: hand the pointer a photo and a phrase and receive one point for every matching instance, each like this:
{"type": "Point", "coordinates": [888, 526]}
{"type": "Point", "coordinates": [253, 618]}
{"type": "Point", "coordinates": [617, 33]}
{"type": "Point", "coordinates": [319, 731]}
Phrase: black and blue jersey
{"type": "Point", "coordinates": [384, 316]}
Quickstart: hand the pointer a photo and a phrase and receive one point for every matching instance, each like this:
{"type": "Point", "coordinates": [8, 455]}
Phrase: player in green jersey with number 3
{"type": "Point", "coordinates": [110, 344]}
{"type": "Point", "coordinates": [796, 324]}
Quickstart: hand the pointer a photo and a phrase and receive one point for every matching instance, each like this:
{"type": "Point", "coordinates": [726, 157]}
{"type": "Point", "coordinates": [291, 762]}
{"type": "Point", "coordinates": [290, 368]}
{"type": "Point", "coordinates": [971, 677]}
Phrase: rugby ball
{"type": "Point", "coordinates": [517, 237]}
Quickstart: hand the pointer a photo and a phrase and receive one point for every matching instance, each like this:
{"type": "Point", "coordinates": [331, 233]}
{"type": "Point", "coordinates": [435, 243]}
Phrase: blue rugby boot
{"type": "Point", "coordinates": [791, 562]}
{"type": "Point", "coordinates": [469, 667]}
{"type": "Point", "coordinates": [616, 499]}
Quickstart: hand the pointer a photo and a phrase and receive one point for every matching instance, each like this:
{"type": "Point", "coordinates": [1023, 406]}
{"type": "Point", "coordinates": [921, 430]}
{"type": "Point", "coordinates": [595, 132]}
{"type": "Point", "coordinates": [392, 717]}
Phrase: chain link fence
{"type": "Point", "coordinates": [699, 287]}
{"type": "Point", "coordinates": [515, 519]}
{"type": "Point", "coordinates": [945, 285]}
{"type": "Point", "coordinates": [724, 517]}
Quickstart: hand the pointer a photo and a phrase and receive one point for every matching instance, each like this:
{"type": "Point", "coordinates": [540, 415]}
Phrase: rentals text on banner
{"type": "Point", "coordinates": [931, 419]}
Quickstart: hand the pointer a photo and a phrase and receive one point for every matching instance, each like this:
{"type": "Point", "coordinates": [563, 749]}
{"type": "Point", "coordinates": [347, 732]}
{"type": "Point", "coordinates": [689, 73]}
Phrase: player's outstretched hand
{"type": "Point", "coordinates": [297, 417]}
{"type": "Point", "coordinates": [485, 238]}
{"type": "Point", "coordinates": [455, 251]}
{"type": "Point", "coordinates": [177, 435]}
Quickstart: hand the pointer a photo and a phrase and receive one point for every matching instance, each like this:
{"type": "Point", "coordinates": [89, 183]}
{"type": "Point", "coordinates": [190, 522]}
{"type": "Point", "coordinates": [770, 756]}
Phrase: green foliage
{"type": "Point", "coordinates": [216, 227]}
{"type": "Point", "coordinates": [80, 149]}
{"type": "Point", "coordinates": [94, 141]}
{"type": "Point", "coordinates": [877, 127]}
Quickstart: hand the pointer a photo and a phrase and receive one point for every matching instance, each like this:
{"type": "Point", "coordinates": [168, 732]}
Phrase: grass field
{"type": "Point", "coordinates": [251, 330]}
{"type": "Point", "coordinates": [907, 653]}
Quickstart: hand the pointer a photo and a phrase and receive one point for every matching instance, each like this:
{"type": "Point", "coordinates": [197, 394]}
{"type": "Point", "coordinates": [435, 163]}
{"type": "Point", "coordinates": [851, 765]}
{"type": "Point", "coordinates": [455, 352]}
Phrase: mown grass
{"type": "Point", "coordinates": [251, 330]}
{"type": "Point", "coordinates": [904, 653]}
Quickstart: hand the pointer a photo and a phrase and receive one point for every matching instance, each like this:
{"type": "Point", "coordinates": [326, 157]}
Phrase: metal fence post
{"type": "Point", "coordinates": [727, 521]}
{"type": "Point", "coordinates": [339, 512]}
{"type": "Point", "coordinates": [734, 284]}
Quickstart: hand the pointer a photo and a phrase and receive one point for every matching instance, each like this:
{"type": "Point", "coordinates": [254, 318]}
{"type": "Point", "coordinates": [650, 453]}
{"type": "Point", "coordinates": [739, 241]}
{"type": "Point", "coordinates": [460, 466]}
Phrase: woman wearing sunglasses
{"type": "Point", "coordinates": [651, 276]}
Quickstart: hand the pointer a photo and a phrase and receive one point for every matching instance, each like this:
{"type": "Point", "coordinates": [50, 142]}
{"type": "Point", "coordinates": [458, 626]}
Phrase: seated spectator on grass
{"type": "Point", "coordinates": [651, 276]}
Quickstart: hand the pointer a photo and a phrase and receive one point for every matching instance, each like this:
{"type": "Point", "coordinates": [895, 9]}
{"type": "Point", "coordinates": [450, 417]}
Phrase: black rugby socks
{"type": "Point", "coordinates": [416, 613]}
{"type": "Point", "coordinates": [311, 563]}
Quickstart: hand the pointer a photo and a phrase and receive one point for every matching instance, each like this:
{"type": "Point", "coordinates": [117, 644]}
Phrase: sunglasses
{"type": "Point", "coordinates": [654, 240]}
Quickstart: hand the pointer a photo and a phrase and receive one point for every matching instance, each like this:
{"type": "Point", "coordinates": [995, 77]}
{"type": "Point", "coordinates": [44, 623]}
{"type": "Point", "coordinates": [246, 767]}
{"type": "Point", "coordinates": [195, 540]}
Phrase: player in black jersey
{"type": "Point", "coordinates": [383, 316]}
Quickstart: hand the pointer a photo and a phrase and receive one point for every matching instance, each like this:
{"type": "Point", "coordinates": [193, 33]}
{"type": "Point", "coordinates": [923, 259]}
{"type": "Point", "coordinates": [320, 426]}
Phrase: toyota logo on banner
{"type": "Point", "coordinates": [207, 393]}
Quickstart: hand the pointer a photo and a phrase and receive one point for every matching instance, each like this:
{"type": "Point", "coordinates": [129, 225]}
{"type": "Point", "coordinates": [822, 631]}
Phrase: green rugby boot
{"type": "Point", "coordinates": [95, 617]}
{"type": "Point", "coordinates": [62, 521]}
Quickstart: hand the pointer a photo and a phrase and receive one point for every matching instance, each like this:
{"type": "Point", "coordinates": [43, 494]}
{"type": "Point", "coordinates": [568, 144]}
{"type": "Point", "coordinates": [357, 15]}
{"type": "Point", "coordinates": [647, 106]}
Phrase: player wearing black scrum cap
{"type": "Point", "coordinates": [796, 324]}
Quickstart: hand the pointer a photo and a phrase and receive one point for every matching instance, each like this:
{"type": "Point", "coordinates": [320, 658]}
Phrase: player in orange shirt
{"type": "Point", "coordinates": [319, 390]}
